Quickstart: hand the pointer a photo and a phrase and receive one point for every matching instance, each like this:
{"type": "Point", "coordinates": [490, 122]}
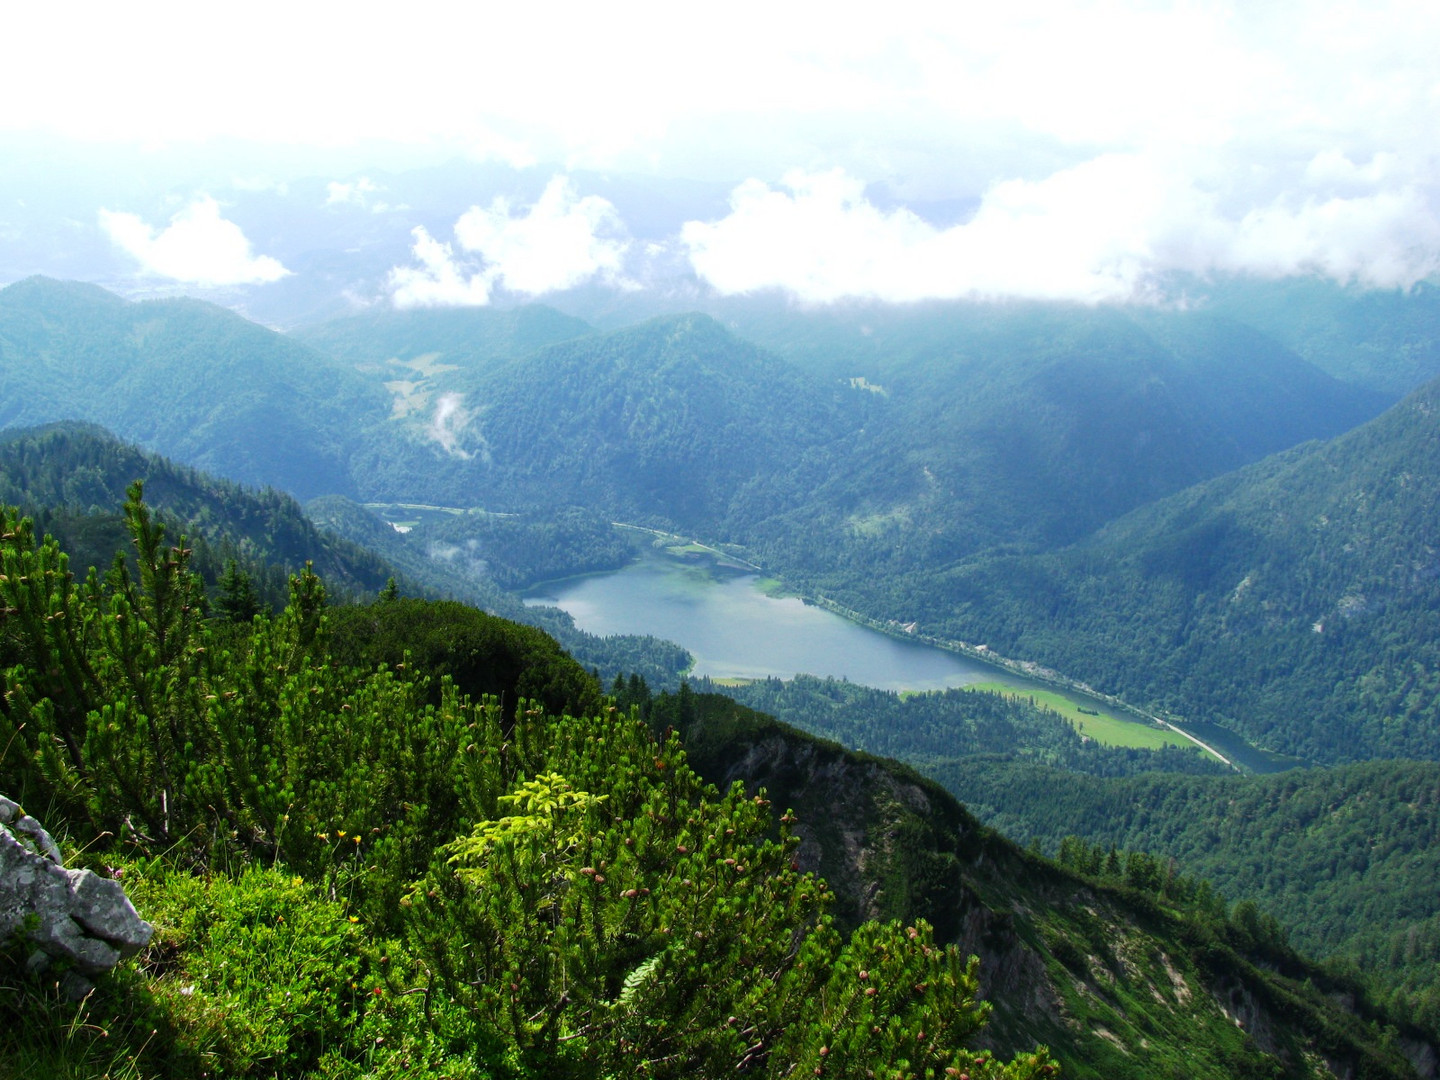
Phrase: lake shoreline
{"type": "Point", "coordinates": [731, 633]}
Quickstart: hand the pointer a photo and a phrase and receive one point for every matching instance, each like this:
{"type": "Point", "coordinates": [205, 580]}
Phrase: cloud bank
{"type": "Point", "coordinates": [1109, 229]}
{"type": "Point", "coordinates": [198, 247]}
{"type": "Point", "coordinates": [562, 241]}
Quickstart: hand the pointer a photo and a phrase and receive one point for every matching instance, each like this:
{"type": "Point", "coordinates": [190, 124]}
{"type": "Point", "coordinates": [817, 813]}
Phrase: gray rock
{"type": "Point", "coordinates": [24, 825]}
{"type": "Point", "coordinates": [70, 915]}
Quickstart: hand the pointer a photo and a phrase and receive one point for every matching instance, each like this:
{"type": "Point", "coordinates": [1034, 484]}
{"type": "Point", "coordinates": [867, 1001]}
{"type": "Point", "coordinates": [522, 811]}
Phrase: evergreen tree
{"type": "Point", "coordinates": [238, 601]}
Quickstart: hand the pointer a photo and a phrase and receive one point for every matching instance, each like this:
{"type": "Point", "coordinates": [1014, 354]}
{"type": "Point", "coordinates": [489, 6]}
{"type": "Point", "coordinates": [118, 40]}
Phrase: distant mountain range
{"type": "Point", "coordinates": [930, 465]}
{"type": "Point", "coordinates": [1295, 600]}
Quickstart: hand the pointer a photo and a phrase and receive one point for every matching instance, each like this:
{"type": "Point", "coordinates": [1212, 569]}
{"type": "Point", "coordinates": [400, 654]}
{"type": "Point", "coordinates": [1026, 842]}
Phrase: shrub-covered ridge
{"type": "Point", "coordinates": [355, 874]}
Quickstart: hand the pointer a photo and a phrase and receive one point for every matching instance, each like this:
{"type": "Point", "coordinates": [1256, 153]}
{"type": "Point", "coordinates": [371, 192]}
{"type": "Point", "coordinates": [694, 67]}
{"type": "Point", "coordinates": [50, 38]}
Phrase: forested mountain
{"type": "Point", "coordinates": [1387, 339]}
{"type": "Point", "coordinates": [183, 378]}
{"type": "Point", "coordinates": [1000, 425]}
{"type": "Point", "coordinates": [924, 436]}
{"type": "Point", "coordinates": [1295, 600]}
{"type": "Point", "coordinates": [1116, 979]}
{"type": "Point", "coordinates": [1009, 424]}
{"type": "Point", "coordinates": [410, 880]}
{"type": "Point", "coordinates": [669, 421]}
{"type": "Point", "coordinates": [1346, 857]}
{"type": "Point", "coordinates": [72, 478]}
{"type": "Point", "coordinates": [463, 339]}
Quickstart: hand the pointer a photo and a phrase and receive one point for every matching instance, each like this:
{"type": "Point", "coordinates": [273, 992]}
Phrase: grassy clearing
{"type": "Point", "coordinates": [774, 587]}
{"type": "Point", "coordinates": [1104, 727]}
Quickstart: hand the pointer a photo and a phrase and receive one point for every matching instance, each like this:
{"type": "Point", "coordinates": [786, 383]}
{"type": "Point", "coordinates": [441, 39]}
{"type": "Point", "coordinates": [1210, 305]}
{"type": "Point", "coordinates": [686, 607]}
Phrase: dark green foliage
{"type": "Point", "coordinates": [70, 477]}
{"type": "Point", "coordinates": [237, 601]}
{"type": "Point", "coordinates": [1344, 857]}
{"type": "Point", "coordinates": [606, 909]}
{"type": "Point", "coordinates": [930, 729]}
{"type": "Point", "coordinates": [483, 655]}
{"type": "Point", "coordinates": [1296, 601]}
{"type": "Point", "coordinates": [516, 551]}
{"type": "Point", "coordinates": [629, 920]}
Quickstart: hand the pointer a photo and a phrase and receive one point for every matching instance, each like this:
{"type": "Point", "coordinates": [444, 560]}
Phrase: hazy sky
{"type": "Point", "coordinates": [889, 150]}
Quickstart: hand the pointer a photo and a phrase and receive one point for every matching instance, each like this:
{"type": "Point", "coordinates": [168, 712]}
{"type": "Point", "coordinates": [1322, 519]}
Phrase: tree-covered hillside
{"type": "Point", "coordinates": [671, 421]}
{"type": "Point", "coordinates": [977, 425]}
{"type": "Point", "coordinates": [183, 378]}
{"type": "Point", "coordinates": [1295, 600]}
{"type": "Point", "coordinates": [1386, 339]}
{"type": "Point", "coordinates": [1346, 857]}
{"type": "Point", "coordinates": [358, 871]}
{"type": "Point", "coordinates": [72, 478]}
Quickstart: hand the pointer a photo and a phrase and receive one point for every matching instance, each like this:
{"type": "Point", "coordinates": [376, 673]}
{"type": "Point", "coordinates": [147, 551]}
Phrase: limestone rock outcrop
{"type": "Point", "coordinates": [70, 915]}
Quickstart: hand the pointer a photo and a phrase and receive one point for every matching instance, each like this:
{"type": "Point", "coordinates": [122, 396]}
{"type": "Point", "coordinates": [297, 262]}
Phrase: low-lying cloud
{"type": "Point", "coordinates": [199, 247]}
{"type": "Point", "coordinates": [1109, 229]}
{"type": "Point", "coordinates": [448, 425]}
{"type": "Point", "coordinates": [560, 242]}
{"type": "Point", "coordinates": [359, 193]}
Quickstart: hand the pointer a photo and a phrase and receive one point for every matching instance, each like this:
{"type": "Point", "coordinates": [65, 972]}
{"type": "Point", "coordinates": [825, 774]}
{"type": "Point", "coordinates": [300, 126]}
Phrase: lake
{"type": "Point", "coordinates": [734, 630]}
{"type": "Point", "coordinates": [737, 631]}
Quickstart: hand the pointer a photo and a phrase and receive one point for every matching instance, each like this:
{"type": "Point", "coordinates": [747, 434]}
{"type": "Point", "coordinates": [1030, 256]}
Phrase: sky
{"type": "Point", "coordinates": [1077, 151]}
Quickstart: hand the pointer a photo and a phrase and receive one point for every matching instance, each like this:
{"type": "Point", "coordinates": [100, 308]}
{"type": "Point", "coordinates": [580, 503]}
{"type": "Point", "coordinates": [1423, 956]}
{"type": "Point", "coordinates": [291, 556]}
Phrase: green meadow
{"type": "Point", "coordinates": [1103, 727]}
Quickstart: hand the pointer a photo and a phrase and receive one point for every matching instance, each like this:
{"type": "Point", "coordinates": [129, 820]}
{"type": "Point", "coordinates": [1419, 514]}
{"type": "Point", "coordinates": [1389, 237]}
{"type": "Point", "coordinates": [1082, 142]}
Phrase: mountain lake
{"type": "Point", "coordinates": [737, 631]}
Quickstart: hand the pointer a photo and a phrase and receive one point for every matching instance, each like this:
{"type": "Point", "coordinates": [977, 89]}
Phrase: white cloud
{"type": "Point", "coordinates": [1274, 135]}
{"type": "Point", "coordinates": [355, 193]}
{"type": "Point", "coordinates": [440, 280]}
{"type": "Point", "coordinates": [451, 423]}
{"type": "Point", "coordinates": [561, 242]}
{"type": "Point", "coordinates": [198, 246]}
{"type": "Point", "coordinates": [1109, 229]}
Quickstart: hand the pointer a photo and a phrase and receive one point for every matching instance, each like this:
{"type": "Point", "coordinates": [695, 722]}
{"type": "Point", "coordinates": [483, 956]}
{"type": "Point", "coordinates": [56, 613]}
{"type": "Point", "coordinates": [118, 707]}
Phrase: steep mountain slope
{"type": "Point", "coordinates": [1119, 982]}
{"type": "Point", "coordinates": [1344, 857]}
{"type": "Point", "coordinates": [1295, 600]}
{"type": "Point", "coordinates": [1038, 423]}
{"type": "Point", "coordinates": [184, 378]}
{"type": "Point", "coordinates": [72, 478]}
{"type": "Point", "coordinates": [668, 420]}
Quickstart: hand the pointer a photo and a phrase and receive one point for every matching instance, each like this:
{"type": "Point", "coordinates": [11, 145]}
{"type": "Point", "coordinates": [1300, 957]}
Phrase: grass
{"type": "Point", "coordinates": [1105, 728]}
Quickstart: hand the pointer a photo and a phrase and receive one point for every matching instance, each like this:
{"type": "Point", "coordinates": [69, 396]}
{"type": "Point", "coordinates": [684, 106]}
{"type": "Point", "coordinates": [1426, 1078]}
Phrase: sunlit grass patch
{"type": "Point", "coordinates": [1093, 720]}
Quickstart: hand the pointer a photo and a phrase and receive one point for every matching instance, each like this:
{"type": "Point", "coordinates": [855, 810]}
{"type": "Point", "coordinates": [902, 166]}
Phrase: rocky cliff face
{"type": "Point", "coordinates": [1113, 981]}
{"type": "Point", "coordinates": [73, 919]}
